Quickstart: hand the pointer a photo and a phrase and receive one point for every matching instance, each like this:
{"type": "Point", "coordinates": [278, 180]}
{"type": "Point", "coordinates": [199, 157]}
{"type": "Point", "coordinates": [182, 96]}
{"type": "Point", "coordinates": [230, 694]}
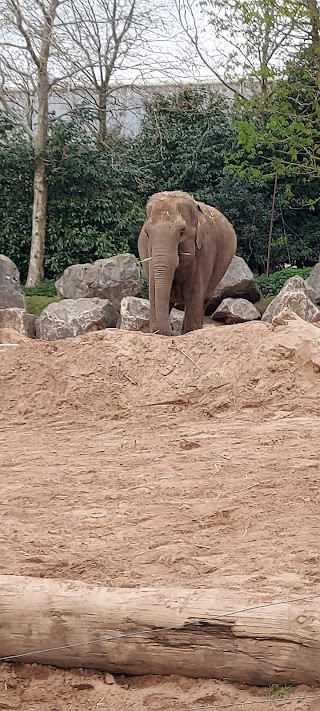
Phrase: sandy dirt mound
{"type": "Point", "coordinates": [133, 460]}
{"type": "Point", "coordinates": [112, 374]}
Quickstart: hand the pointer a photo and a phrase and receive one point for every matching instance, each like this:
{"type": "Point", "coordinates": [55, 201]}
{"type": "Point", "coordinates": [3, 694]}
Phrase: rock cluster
{"type": "Point", "coordinates": [104, 295]}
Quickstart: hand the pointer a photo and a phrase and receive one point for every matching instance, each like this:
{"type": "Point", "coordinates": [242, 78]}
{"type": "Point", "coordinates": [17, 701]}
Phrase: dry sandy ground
{"type": "Point", "coordinates": [137, 460]}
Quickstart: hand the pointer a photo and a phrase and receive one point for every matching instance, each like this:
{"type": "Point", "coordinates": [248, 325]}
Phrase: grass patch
{"type": "Point", "coordinates": [279, 691]}
{"type": "Point", "coordinates": [36, 304]}
{"type": "Point", "coordinates": [263, 303]}
{"type": "Point", "coordinates": [46, 288]}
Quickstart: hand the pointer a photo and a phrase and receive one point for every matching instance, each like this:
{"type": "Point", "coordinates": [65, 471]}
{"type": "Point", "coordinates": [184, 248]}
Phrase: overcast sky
{"type": "Point", "coordinates": [173, 56]}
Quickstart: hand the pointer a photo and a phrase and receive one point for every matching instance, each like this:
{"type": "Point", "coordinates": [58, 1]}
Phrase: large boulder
{"type": "Point", "coordinates": [135, 314]}
{"type": "Point", "coordinates": [237, 283]}
{"type": "Point", "coordinates": [314, 282]}
{"type": "Point", "coordinates": [111, 279]}
{"type": "Point", "coordinates": [296, 296]}
{"type": "Point", "coordinates": [236, 311]}
{"type": "Point", "coordinates": [18, 320]}
{"type": "Point", "coordinates": [73, 317]}
{"type": "Point", "coordinates": [11, 294]}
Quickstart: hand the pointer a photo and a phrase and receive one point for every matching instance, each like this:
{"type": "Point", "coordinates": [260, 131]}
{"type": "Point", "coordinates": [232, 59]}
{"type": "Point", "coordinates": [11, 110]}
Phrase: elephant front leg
{"type": "Point", "coordinates": [152, 313]}
{"type": "Point", "coordinates": [193, 318]}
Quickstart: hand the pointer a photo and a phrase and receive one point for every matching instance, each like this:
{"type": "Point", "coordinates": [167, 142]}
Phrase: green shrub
{"type": "Point", "coordinates": [271, 285]}
{"type": "Point", "coordinates": [279, 691]}
{"type": "Point", "coordinates": [47, 288]}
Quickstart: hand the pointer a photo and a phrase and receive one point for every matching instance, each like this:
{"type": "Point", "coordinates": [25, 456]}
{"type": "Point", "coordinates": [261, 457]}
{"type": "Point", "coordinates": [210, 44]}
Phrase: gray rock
{"type": "Point", "coordinates": [236, 311]}
{"type": "Point", "coordinates": [314, 281]}
{"type": "Point", "coordinates": [73, 317]}
{"type": "Point", "coordinates": [135, 312]}
{"type": "Point", "coordinates": [296, 296]}
{"type": "Point", "coordinates": [18, 320]}
{"type": "Point", "coordinates": [11, 294]}
{"type": "Point", "coordinates": [111, 279]}
{"type": "Point", "coordinates": [238, 282]}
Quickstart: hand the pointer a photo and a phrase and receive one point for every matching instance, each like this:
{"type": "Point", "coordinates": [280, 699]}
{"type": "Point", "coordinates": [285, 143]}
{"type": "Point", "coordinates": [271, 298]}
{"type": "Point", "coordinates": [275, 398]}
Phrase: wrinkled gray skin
{"type": "Point", "coordinates": [186, 248]}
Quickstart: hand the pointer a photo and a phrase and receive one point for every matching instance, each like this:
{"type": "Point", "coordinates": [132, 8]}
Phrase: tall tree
{"type": "Point", "coordinates": [110, 42]}
{"type": "Point", "coordinates": [28, 45]}
{"type": "Point", "coordinates": [242, 41]}
{"type": "Point", "coordinates": [279, 144]}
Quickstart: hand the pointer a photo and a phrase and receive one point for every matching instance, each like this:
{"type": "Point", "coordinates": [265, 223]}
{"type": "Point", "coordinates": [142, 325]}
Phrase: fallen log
{"type": "Point", "coordinates": [194, 633]}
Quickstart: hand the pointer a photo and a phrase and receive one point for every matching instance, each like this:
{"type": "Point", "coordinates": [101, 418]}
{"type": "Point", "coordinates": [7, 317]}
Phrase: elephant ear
{"type": "Point", "coordinates": [201, 227]}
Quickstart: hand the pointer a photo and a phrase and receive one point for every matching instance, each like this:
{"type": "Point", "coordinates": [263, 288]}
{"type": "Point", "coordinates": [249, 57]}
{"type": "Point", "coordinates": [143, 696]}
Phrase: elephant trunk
{"type": "Point", "coordinates": [163, 274]}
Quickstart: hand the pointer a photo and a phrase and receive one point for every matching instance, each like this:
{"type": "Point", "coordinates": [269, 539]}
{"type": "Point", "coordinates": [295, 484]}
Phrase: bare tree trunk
{"type": "Point", "coordinates": [271, 223]}
{"type": "Point", "coordinates": [40, 190]}
{"type": "Point", "coordinates": [102, 114]}
{"type": "Point", "coordinates": [39, 213]}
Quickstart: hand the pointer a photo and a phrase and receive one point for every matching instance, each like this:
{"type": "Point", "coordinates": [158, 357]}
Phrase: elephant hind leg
{"type": "Point", "coordinates": [193, 319]}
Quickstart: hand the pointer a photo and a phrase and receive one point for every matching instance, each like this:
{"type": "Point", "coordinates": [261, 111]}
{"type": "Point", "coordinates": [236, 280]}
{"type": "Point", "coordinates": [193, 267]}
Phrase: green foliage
{"type": "Point", "coordinates": [16, 183]}
{"type": "Point", "coordinates": [279, 691]}
{"type": "Point", "coordinates": [182, 143]}
{"type": "Point", "coordinates": [247, 205]}
{"type": "Point", "coordinates": [190, 139]}
{"type": "Point", "coordinates": [282, 135]}
{"type": "Point", "coordinates": [93, 211]}
{"type": "Point", "coordinates": [270, 286]}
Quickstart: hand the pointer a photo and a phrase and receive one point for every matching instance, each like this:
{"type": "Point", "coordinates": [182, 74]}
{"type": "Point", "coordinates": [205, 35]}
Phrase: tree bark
{"type": "Point", "coordinates": [39, 218]}
{"type": "Point", "coordinates": [39, 211]}
{"type": "Point", "coordinates": [195, 633]}
{"type": "Point", "coordinates": [40, 192]}
{"type": "Point", "coordinates": [275, 185]}
{"type": "Point", "coordinates": [102, 114]}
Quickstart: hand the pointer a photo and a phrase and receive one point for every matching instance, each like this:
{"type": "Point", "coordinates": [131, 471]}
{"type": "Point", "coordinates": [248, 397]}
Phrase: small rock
{"type": "Point", "coordinates": [296, 296]}
{"type": "Point", "coordinates": [11, 294]}
{"type": "Point", "coordinates": [134, 316]}
{"type": "Point", "coordinates": [109, 679]}
{"type": "Point", "coordinates": [18, 320]}
{"type": "Point", "coordinates": [82, 686]}
{"type": "Point", "coordinates": [111, 279]}
{"type": "Point", "coordinates": [73, 317]}
{"type": "Point", "coordinates": [314, 281]}
{"type": "Point", "coordinates": [236, 311]}
{"type": "Point", "coordinates": [238, 282]}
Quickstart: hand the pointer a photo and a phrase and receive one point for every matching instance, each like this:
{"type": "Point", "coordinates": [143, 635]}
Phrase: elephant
{"type": "Point", "coordinates": [185, 247]}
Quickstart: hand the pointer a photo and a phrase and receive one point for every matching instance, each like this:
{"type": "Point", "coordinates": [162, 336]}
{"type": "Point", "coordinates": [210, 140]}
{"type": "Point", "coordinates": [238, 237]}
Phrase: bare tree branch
{"type": "Point", "coordinates": [257, 33]}
{"type": "Point", "coordinates": [188, 22]}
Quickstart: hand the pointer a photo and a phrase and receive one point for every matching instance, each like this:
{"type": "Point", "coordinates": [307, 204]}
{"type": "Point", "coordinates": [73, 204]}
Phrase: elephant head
{"type": "Point", "coordinates": [174, 230]}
